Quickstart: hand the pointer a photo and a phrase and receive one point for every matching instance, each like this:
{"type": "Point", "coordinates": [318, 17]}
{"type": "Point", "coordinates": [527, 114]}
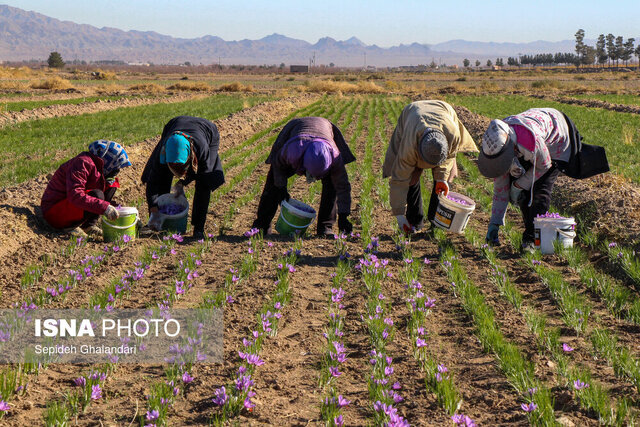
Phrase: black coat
{"type": "Point", "coordinates": [206, 143]}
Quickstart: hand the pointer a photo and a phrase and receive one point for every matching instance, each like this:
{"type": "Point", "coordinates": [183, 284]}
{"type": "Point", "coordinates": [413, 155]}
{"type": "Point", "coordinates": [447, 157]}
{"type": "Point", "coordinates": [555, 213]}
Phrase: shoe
{"type": "Point", "coordinates": [198, 235]}
{"type": "Point", "coordinates": [326, 233]}
{"type": "Point", "coordinates": [76, 232]}
{"type": "Point", "coordinates": [528, 246]}
{"type": "Point", "coordinates": [93, 230]}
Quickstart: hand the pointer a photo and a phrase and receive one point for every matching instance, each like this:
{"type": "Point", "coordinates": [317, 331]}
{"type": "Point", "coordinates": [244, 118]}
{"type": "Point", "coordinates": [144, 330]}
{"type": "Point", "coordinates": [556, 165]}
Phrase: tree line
{"type": "Point", "coordinates": [607, 50]}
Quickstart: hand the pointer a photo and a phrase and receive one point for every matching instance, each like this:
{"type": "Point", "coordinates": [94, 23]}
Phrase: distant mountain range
{"type": "Point", "coordinates": [28, 35]}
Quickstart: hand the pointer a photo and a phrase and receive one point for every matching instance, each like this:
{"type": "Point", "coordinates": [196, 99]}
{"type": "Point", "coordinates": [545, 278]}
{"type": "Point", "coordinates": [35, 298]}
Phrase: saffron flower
{"type": "Point", "coordinates": [579, 385]}
{"type": "Point", "coordinates": [152, 415]}
{"type": "Point", "coordinates": [254, 359]}
{"type": "Point", "coordinates": [342, 402]}
{"type": "Point", "coordinates": [80, 381]}
{"type": "Point", "coordinates": [567, 348]}
{"type": "Point", "coordinates": [338, 421]}
{"type": "Point", "coordinates": [529, 408]}
{"type": "Point", "coordinates": [4, 406]}
{"type": "Point", "coordinates": [420, 343]}
{"type": "Point", "coordinates": [186, 378]}
{"type": "Point", "coordinates": [96, 392]}
{"type": "Point", "coordinates": [463, 420]}
{"type": "Point", "coordinates": [249, 404]}
{"type": "Point", "coordinates": [220, 396]}
{"type": "Point", "coordinates": [334, 371]}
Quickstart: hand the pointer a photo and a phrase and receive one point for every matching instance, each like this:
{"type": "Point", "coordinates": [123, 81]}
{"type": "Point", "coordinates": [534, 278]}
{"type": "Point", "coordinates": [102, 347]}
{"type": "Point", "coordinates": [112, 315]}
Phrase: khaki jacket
{"type": "Point", "coordinates": [402, 158]}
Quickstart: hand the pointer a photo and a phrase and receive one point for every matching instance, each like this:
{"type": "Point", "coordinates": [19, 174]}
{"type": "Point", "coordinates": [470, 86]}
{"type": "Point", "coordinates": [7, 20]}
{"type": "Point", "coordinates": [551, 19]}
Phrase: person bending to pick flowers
{"type": "Point", "coordinates": [187, 150]}
{"type": "Point", "coordinates": [83, 188]}
{"type": "Point", "coordinates": [522, 153]}
{"type": "Point", "coordinates": [312, 147]}
{"type": "Point", "coordinates": [428, 136]}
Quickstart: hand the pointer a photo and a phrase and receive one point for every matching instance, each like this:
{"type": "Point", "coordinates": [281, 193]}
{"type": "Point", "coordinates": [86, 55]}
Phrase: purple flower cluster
{"type": "Point", "coordinates": [395, 420]}
{"type": "Point", "coordinates": [457, 200]}
{"type": "Point", "coordinates": [372, 247]}
{"type": "Point", "coordinates": [463, 420]}
{"type": "Point", "coordinates": [171, 209]}
{"type": "Point", "coordinates": [418, 301]}
{"type": "Point", "coordinates": [551, 215]}
{"type": "Point", "coordinates": [252, 232]}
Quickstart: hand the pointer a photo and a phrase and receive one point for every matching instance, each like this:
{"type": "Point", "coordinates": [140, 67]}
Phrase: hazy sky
{"type": "Point", "coordinates": [382, 22]}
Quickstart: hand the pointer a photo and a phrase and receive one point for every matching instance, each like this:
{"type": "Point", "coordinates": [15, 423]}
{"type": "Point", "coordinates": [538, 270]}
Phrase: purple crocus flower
{"type": "Point", "coordinates": [420, 343]}
{"type": "Point", "coordinates": [4, 406]}
{"type": "Point", "coordinates": [529, 408]}
{"type": "Point", "coordinates": [80, 381]}
{"type": "Point", "coordinates": [186, 378]}
{"type": "Point", "coordinates": [249, 404]}
{"type": "Point", "coordinates": [220, 396]}
{"type": "Point", "coordinates": [338, 421]}
{"type": "Point", "coordinates": [463, 420]}
{"type": "Point", "coordinates": [334, 371]}
{"type": "Point", "coordinates": [254, 359]}
{"type": "Point", "coordinates": [579, 385]}
{"type": "Point", "coordinates": [567, 348]}
{"type": "Point", "coordinates": [96, 392]}
{"type": "Point", "coordinates": [342, 402]}
{"type": "Point", "coordinates": [152, 415]}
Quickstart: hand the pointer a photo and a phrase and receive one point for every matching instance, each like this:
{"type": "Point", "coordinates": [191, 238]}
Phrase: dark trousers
{"type": "Point", "coordinates": [201, 199]}
{"type": "Point", "coordinates": [415, 210]}
{"type": "Point", "coordinates": [541, 200]}
{"type": "Point", "coordinates": [269, 202]}
{"type": "Point", "coordinates": [90, 218]}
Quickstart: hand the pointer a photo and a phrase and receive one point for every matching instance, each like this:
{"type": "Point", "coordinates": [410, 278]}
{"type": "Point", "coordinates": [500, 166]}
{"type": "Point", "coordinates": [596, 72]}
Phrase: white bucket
{"type": "Point", "coordinates": [176, 222]}
{"type": "Point", "coordinates": [452, 216]}
{"type": "Point", "coordinates": [548, 230]}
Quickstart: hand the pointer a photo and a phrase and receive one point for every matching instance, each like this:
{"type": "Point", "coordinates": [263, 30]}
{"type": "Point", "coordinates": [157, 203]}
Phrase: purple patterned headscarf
{"type": "Point", "coordinates": [317, 158]}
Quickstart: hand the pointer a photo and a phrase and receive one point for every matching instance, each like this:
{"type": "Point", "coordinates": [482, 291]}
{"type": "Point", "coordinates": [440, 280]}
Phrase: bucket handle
{"type": "Point", "coordinates": [122, 227]}
{"type": "Point", "coordinates": [570, 234]}
{"type": "Point", "coordinates": [291, 225]}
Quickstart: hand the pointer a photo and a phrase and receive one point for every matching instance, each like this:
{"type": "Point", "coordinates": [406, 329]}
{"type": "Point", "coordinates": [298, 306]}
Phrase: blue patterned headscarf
{"type": "Point", "coordinates": [113, 154]}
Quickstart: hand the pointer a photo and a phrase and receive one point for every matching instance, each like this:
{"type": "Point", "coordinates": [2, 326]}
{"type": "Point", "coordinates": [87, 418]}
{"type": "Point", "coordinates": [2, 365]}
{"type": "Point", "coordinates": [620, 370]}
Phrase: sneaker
{"type": "Point", "coordinates": [93, 230]}
{"type": "Point", "coordinates": [528, 246]}
{"type": "Point", "coordinates": [198, 235]}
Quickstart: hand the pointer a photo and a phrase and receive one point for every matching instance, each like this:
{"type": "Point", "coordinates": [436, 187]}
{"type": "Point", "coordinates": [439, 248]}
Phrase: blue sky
{"type": "Point", "coordinates": [382, 22]}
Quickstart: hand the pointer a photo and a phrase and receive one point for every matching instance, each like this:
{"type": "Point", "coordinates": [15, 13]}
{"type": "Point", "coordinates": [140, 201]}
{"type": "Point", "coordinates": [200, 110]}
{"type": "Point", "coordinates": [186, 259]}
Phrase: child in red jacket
{"type": "Point", "coordinates": [83, 187]}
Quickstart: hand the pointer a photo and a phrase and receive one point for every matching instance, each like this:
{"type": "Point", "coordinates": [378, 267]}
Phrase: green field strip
{"type": "Point", "coordinates": [616, 131]}
{"type": "Point", "coordinates": [29, 105]}
{"type": "Point", "coordinates": [35, 147]}
{"type": "Point", "coordinates": [623, 99]}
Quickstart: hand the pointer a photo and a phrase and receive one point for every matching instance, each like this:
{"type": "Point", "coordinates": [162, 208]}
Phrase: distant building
{"type": "Point", "coordinates": [299, 68]}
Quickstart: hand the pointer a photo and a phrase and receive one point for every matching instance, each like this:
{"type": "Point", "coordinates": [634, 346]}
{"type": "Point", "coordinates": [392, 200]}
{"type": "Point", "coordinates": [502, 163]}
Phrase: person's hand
{"type": "Point", "coordinates": [344, 224]}
{"type": "Point", "coordinates": [442, 187]}
{"type": "Point", "coordinates": [111, 213]}
{"type": "Point", "coordinates": [492, 234]}
{"type": "Point", "coordinates": [155, 221]}
{"type": "Point", "coordinates": [516, 170]}
{"type": "Point", "coordinates": [403, 224]}
{"type": "Point", "coordinates": [282, 194]}
{"type": "Point", "coordinates": [515, 193]}
{"type": "Point", "coordinates": [178, 190]}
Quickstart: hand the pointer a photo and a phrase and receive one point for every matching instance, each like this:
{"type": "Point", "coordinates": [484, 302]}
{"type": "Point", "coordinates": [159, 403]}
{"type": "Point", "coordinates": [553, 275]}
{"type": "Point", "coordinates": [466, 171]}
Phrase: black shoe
{"type": "Point", "coordinates": [198, 235]}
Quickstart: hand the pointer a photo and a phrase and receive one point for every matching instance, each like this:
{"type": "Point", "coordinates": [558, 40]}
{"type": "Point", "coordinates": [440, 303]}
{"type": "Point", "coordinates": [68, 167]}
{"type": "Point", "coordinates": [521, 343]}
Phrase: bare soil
{"type": "Point", "coordinates": [287, 384]}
